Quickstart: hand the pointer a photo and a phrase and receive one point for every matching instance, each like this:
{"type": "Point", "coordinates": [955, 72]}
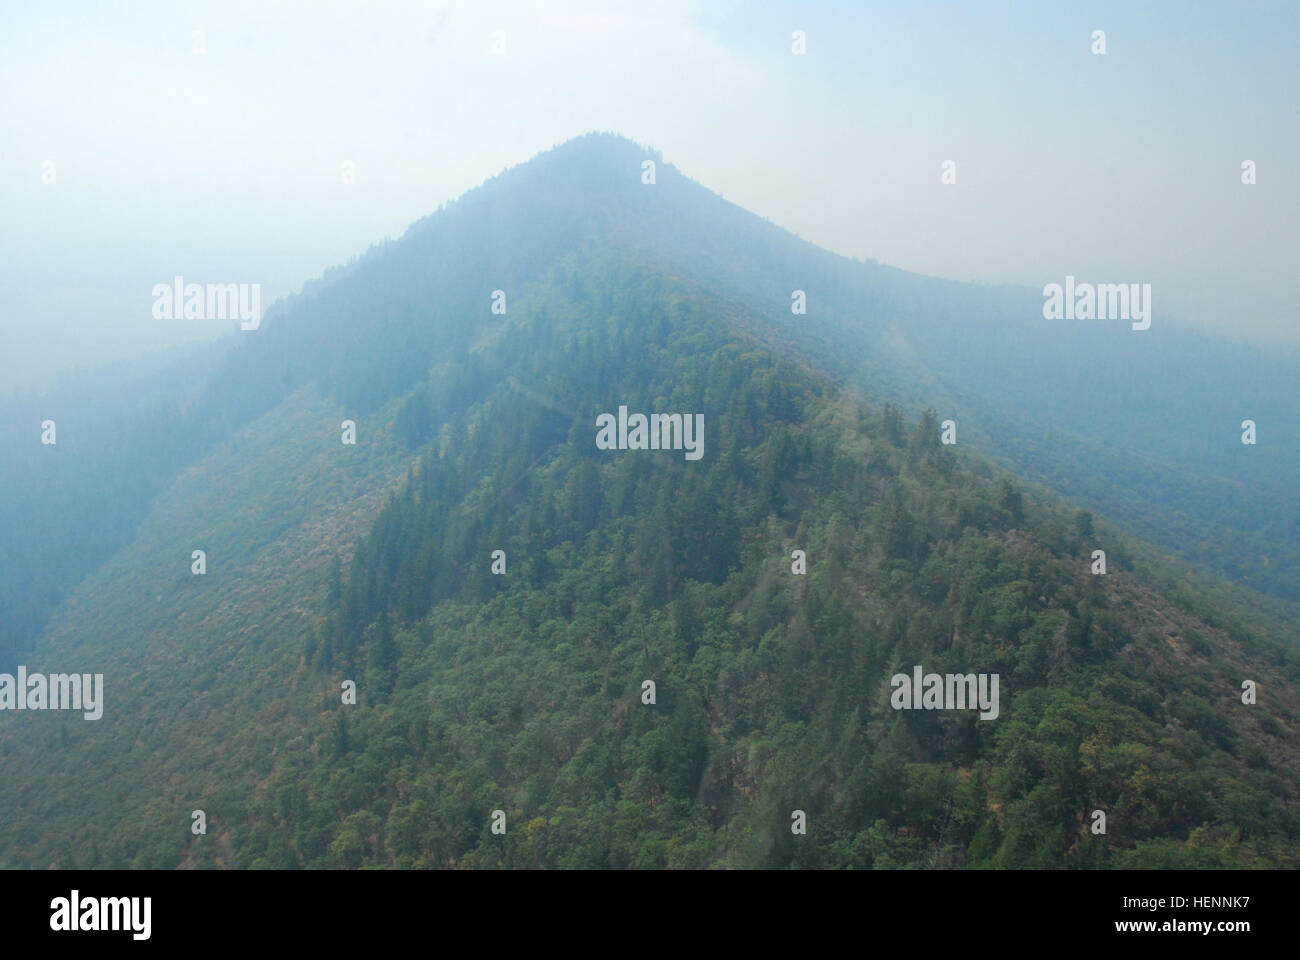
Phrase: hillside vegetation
{"type": "Point", "coordinates": [522, 691]}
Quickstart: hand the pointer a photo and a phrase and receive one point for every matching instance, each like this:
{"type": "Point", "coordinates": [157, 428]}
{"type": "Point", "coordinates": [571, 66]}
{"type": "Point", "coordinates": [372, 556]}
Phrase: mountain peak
{"type": "Point", "coordinates": [595, 161]}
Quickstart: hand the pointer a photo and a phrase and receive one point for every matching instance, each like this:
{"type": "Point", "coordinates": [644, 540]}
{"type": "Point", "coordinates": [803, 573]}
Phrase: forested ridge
{"type": "Point", "coordinates": [1140, 428]}
{"type": "Point", "coordinates": [522, 691]}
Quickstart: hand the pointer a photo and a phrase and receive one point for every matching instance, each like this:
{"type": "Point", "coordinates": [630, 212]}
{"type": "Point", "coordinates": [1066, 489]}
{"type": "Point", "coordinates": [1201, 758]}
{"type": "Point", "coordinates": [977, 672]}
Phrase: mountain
{"type": "Point", "coordinates": [523, 691]}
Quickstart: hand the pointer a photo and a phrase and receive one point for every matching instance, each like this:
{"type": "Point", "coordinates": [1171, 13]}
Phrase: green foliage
{"type": "Point", "coordinates": [521, 692]}
{"type": "Point", "coordinates": [772, 689]}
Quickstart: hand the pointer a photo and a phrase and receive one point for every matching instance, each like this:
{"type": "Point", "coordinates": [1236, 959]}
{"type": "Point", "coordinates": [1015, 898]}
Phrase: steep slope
{"type": "Point", "coordinates": [121, 435]}
{"type": "Point", "coordinates": [200, 671]}
{"type": "Point", "coordinates": [1140, 427]}
{"type": "Point", "coordinates": [521, 692]}
{"type": "Point", "coordinates": [772, 688]}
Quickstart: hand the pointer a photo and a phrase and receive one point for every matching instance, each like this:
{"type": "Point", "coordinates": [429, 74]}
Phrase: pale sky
{"type": "Point", "coordinates": [224, 166]}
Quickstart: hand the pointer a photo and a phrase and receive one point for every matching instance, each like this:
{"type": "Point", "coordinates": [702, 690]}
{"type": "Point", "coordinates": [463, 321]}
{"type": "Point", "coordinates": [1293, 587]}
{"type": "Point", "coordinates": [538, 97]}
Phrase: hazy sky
{"type": "Point", "coordinates": [225, 165]}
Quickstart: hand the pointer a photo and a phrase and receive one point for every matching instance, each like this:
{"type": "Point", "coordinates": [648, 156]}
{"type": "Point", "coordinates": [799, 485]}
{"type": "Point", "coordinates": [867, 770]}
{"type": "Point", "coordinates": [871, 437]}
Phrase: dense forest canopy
{"type": "Point", "coordinates": [522, 690]}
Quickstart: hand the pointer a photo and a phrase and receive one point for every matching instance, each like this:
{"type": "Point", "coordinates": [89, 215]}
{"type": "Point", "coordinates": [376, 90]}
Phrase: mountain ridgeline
{"type": "Point", "coordinates": [1139, 427]}
{"type": "Point", "coordinates": [569, 656]}
{"type": "Point", "coordinates": [522, 691]}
